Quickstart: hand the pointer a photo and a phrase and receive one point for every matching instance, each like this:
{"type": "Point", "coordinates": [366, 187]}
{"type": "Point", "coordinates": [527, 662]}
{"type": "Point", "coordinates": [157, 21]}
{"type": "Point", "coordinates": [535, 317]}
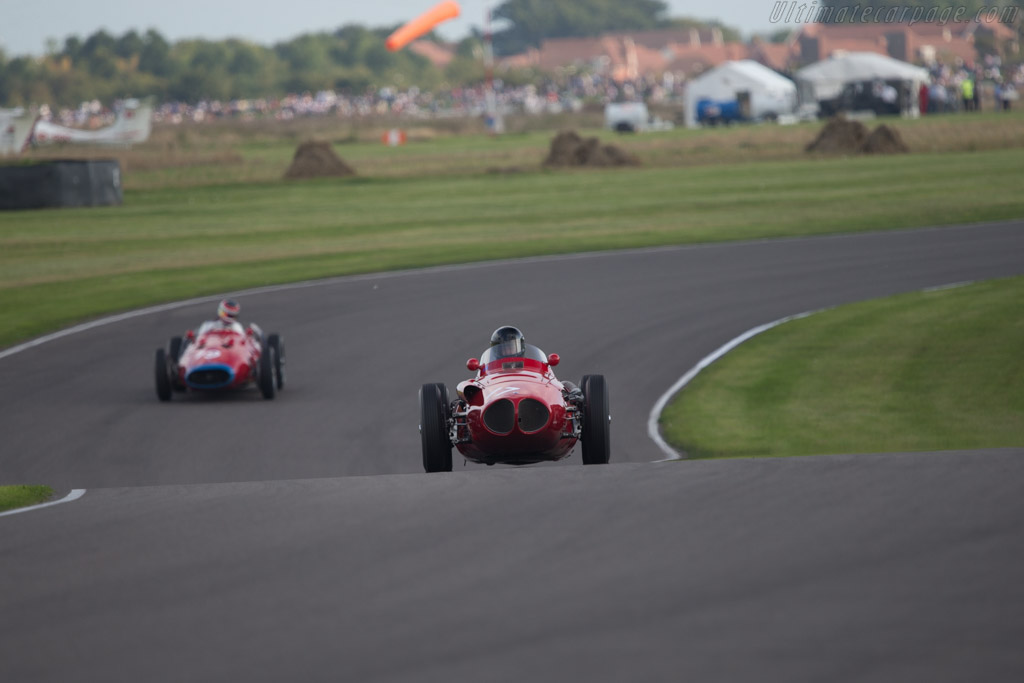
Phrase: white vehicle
{"type": "Point", "coordinates": [626, 117]}
{"type": "Point", "coordinates": [631, 117]}
{"type": "Point", "coordinates": [132, 125]}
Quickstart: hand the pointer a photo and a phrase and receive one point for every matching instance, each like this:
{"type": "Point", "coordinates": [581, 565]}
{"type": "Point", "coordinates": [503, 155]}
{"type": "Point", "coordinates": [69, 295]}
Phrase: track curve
{"type": "Point", "coordinates": [358, 349]}
{"type": "Point", "coordinates": [222, 539]}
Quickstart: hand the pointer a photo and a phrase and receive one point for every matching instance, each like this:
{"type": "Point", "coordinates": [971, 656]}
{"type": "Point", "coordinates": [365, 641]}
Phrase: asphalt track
{"type": "Point", "coordinates": [230, 539]}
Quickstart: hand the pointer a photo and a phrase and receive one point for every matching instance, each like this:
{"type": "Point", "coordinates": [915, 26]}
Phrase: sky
{"type": "Point", "coordinates": [25, 26]}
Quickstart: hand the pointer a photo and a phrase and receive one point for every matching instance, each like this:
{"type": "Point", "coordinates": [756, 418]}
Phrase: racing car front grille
{"type": "Point", "coordinates": [500, 416]}
{"type": "Point", "coordinates": [533, 415]}
{"type": "Point", "coordinates": [209, 377]}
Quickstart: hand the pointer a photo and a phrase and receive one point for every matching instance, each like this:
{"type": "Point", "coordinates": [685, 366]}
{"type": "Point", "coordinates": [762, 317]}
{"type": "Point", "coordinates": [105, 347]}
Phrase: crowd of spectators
{"type": "Point", "coordinates": [959, 89]}
{"type": "Point", "coordinates": [945, 93]}
{"type": "Point", "coordinates": [548, 97]}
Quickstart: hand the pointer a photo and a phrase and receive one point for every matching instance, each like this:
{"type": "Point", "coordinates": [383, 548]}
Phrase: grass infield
{"type": "Point", "coordinates": [59, 267]}
{"type": "Point", "coordinates": [21, 496]}
{"type": "Point", "coordinates": [922, 371]}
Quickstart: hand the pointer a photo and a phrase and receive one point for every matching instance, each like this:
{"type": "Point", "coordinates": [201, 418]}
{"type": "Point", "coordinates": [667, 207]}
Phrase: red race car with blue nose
{"type": "Point", "coordinates": [514, 411]}
{"type": "Point", "coordinates": [221, 356]}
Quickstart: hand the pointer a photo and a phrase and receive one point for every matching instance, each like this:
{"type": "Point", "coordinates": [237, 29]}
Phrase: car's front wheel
{"type": "Point", "coordinates": [596, 434]}
{"type": "Point", "coordinates": [434, 413]}
{"type": "Point", "coordinates": [275, 342]}
{"type": "Point", "coordinates": [266, 379]}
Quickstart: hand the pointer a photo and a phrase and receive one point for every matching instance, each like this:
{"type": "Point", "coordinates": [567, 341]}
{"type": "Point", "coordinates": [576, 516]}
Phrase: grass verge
{"type": "Point", "coordinates": [229, 151]}
{"type": "Point", "coordinates": [916, 372]}
{"type": "Point", "coordinates": [22, 496]}
{"type": "Point", "coordinates": [58, 267]}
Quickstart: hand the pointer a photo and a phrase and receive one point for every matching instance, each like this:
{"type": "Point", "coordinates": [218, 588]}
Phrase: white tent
{"type": "Point", "coordinates": [770, 93]}
{"type": "Point", "coordinates": [824, 80]}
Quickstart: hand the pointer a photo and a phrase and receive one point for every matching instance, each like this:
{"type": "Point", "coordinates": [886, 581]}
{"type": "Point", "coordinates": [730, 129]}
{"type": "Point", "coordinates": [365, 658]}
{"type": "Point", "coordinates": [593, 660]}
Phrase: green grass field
{"type": "Point", "coordinates": [19, 496]}
{"type": "Point", "coordinates": [58, 267]}
{"type": "Point", "coordinates": [916, 372]}
{"type": "Point", "coordinates": [206, 211]}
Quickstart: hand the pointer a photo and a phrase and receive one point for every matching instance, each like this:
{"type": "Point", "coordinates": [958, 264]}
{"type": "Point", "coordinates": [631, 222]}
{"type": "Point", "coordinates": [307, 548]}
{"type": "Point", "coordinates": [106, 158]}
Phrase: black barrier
{"type": "Point", "coordinates": [60, 183]}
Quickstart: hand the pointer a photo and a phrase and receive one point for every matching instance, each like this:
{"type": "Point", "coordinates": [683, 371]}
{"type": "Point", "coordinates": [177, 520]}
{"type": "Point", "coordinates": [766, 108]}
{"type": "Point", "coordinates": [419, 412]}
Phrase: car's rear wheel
{"type": "Point", "coordinates": [434, 413]}
{"type": "Point", "coordinates": [596, 434]}
{"type": "Point", "coordinates": [266, 379]}
{"type": "Point", "coordinates": [163, 376]}
{"type": "Point", "coordinates": [275, 342]}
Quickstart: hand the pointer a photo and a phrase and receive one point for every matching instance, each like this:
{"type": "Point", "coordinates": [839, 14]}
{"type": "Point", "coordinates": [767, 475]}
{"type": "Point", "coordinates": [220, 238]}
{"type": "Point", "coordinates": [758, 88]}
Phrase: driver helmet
{"type": "Point", "coordinates": [507, 342]}
{"type": "Point", "coordinates": [228, 310]}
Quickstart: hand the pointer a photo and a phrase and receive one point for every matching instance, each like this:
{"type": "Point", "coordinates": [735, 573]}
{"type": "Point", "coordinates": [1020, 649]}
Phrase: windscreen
{"type": "Point", "coordinates": [219, 326]}
{"type": "Point", "coordinates": [499, 352]}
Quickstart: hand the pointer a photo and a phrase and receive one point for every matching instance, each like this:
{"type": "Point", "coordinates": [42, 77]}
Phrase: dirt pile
{"type": "Point", "coordinates": [317, 160]}
{"type": "Point", "coordinates": [569, 149]}
{"type": "Point", "coordinates": [884, 140]}
{"type": "Point", "coordinates": [840, 136]}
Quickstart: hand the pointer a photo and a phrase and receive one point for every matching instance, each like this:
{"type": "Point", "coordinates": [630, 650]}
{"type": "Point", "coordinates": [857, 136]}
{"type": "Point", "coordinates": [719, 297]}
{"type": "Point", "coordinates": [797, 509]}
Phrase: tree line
{"type": "Point", "coordinates": [106, 67]}
{"type": "Point", "coordinates": [530, 22]}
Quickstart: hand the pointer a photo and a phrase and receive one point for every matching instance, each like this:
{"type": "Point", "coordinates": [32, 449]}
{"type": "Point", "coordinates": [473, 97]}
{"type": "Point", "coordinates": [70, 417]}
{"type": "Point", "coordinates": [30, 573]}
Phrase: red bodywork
{"type": "Point", "coordinates": [532, 420]}
{"type": "Point", "coordinates": [219, 360]}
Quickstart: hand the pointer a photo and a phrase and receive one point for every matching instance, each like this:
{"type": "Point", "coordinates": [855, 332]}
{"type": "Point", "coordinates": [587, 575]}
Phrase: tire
{"type": "Point", "coordinates": [176, 347]}
{"type": "Point", "coordinates": [596, 435]}
{"type": "Point", "coordinates": [163, 376]}
{"type": "Point", "coordinates": [437, 445]}
{"type": "Point", "coordinates": [274, 341]}
{"type": "Point", "coordinates": [266, 378]}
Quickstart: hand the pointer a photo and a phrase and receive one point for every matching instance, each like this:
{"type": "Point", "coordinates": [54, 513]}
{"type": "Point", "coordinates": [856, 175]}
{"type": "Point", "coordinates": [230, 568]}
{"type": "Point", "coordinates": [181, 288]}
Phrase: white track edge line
{"type": "Point", "coordinates": [952, 285]}
{"type": "Point", "coordinates": [655, 416]}
{"type": "Point", "coordinates": [362, 277]}
{"type": "Point", "coordinates": [74, 495]}
{"type": "Point", "coordinates": [652, 421]}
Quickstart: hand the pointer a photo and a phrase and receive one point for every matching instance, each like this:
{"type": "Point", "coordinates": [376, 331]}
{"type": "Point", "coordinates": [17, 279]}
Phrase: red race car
{"type": "Point", "coordinates": [221, 356]}
{"type": "Point", "coordinates": [515, 411]}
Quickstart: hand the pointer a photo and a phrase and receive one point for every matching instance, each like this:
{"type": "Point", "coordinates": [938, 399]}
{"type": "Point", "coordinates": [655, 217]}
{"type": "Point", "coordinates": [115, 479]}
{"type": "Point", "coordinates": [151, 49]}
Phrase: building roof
{"type": "Point", "coordinates": [830, 46]}
{"type": "Point", "coordinates": [695, 58]}
{"type": "Point", "coordinates": [566, 51]}
{"type": "Point", "coordinates": [436, 53]}
{"type": "Point", "coordinates": [659, 39]}
{"type": "Point", "coordinates": [691, 51]}
{"type": "Point", "coordinates": [1000, 30]}
{"type": "Point", "coordinates": [773, 55]}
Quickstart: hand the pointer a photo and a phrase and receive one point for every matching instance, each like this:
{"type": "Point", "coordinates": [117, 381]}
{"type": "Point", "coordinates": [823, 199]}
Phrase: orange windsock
{"type": "Point", "coordinates": [442, 11]}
